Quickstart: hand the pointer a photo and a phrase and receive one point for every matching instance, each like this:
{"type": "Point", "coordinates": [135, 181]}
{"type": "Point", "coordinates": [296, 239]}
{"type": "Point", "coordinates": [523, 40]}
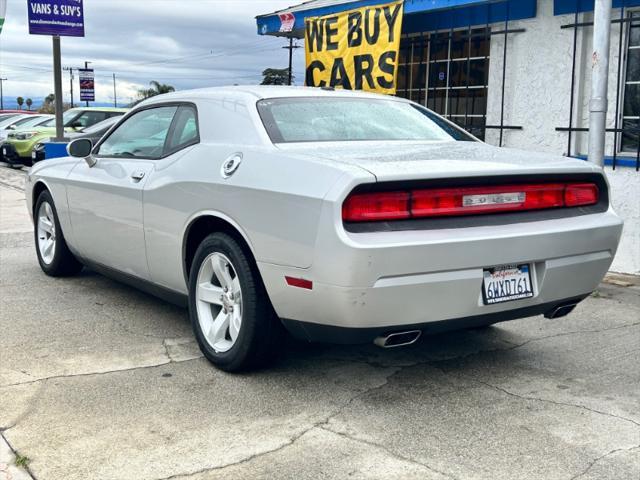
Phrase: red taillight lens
{"type": "Point", "coordinates": [579, 194]}
{"type": "Point", "coordinates": [439, 202]}
{"type": "Point", "coordinates": [367, 207]}
{"type": "Point", "coordinates": [476, 200]}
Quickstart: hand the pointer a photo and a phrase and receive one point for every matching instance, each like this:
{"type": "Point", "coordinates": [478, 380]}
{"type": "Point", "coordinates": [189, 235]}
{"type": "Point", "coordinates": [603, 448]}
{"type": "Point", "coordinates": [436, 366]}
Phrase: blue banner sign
{"type": "Point", "coordinates": [56, 17]}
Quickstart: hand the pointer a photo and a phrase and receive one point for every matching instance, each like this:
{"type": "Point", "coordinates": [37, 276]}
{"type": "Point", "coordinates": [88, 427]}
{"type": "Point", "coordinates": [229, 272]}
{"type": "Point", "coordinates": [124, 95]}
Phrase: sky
{"type": "Point", "coordinates": [184, 43]}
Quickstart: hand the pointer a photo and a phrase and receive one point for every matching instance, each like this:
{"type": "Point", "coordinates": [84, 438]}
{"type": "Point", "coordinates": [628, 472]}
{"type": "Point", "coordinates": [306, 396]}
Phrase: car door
{"type": "Point", "coordinates": [105, 200]}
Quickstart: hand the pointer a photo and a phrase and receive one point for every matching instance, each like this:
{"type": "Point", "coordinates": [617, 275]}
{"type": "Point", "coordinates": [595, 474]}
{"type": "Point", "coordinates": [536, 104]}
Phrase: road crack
{"type": "Point", "coordinates": [26, 468]}
{"type": "Point", "coordinates": [601, 457]}
{"type": "Point", "coordinates": [292, 440]}
{"type": "Point", "coordinates": [387, 450]}
{"type": "Point", "coordinates": [554, 402]}
{"type": "Point", "coordinates": [89, 374]}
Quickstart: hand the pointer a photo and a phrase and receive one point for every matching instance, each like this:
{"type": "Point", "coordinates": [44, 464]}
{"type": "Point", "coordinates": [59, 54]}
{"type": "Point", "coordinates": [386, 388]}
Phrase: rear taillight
{"type": "Point", "coordinates": [580, 194]}
{"type": "Point", "coordinates": [443, 202]}
{"type": "Point", "coordinates": [369, 207]}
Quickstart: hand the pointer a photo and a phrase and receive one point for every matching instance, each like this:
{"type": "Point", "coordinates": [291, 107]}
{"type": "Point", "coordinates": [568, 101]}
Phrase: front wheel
{"type": "Point", "coordinates": [54, 255]}
{"type": "Point", "coordinates": [231, 315]}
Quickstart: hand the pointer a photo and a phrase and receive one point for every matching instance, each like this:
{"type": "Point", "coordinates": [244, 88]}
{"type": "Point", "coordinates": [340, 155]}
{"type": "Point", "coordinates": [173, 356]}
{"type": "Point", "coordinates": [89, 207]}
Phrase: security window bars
{"type": "Point", "coordinates": [631, 108]}
{"type": "Point", "coordinates": [448, 73]}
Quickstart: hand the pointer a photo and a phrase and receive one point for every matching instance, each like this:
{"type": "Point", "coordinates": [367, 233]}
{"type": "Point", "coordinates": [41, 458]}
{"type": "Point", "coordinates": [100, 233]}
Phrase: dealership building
{"type": "Point", "coordinates": [517, 73]}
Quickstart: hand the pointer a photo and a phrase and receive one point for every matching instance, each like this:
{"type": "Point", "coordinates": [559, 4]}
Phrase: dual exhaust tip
{"type": "Point", "coordinates": [398, 339]}
{"type": "Point", "coordinates": [403, 339]}
{"type": "Point", "coordinates": [561, 311]}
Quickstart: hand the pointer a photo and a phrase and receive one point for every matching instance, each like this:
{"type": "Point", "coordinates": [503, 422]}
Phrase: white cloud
{"type": "Point", "coordinates": [185, 43]}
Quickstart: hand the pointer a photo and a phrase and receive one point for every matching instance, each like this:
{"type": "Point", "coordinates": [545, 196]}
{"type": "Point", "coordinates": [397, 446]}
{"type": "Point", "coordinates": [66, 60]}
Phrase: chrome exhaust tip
{"type": "Point", "coordinates": [561, 311]}
{"type": "Point", "coordinates": [398, 339]}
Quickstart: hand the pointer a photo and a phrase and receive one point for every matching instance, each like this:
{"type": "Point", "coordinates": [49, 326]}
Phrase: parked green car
{"type": "Point", "coordinates": [16, 150]}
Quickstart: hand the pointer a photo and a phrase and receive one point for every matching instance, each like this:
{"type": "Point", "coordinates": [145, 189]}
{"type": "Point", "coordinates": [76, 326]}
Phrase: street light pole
{"type": "Point", "coordinates": [2, 80]}
{"type": "Point", "coordinates": [599, 80]}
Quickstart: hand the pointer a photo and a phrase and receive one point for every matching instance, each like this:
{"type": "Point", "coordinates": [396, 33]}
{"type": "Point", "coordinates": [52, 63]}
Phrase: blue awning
{"type": "Point", "coordinates": [561, 7]}
{"type": "Point", "coordinates": [419, 15]}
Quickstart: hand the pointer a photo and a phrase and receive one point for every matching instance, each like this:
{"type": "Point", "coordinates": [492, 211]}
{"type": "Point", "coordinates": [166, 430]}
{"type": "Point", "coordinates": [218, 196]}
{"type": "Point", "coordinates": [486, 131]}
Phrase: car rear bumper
{"type": "Point", "coordinates": [397, 280]}
{"type": "Point", "coordinates": [9, 154]}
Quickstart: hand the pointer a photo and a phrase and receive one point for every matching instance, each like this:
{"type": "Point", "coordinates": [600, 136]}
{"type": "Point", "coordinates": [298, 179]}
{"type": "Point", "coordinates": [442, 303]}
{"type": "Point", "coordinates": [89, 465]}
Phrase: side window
{"type": "Point", "coordinates": [143, 135]}
{"type": "Point", "coordinates": [185, 130]}
{"type": "Point", "coordinates": [89, 118]}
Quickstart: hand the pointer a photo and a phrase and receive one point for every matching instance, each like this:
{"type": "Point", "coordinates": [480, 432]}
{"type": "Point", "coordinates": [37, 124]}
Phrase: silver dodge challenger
{"type": "Point", "coordinates": [337, 216]}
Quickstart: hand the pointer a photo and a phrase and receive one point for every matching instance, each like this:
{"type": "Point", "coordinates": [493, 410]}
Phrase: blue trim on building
{"type": "Point", "coordinates": [421, 15]}
{"type": "Point", "coordinates": [561, 7]}
{"type": "Point", "coordinates": [620, 161]}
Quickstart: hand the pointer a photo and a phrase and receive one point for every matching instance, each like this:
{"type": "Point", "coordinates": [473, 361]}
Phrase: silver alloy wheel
{"type": "Point", "coordinates": [46, 233]}
{"type": "Point", "coordinates": [219, 302]}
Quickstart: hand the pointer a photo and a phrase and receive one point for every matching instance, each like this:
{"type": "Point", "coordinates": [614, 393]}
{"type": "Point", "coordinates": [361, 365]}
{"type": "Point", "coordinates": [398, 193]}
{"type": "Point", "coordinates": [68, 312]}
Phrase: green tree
{"type": "Point", "coordinates": [29, 102]}
{"type": "Point", "coordinates": [49, 104]}
{"type": "Point", "coordinates": [20, 102]}
{"type": "Point", "coordinates": [157, 88]}
{"type": "Point", "coordinates": [276, 76]}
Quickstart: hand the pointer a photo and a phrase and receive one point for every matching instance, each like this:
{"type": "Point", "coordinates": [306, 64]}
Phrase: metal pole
{"type": "Point", "coordinates": [573, 80]}
{"type": "Point", "coordinates": [599, 80]}
{"type": "Point", "coordinates": [618, 79]}
{"type": "Point", "coordinates": [2, 80]}
{"type": "Point", "coordinates": [86, 66]}
{"type": "Point", "coordinates": [290, 60]}
{"type": "Point", "coordinates": [70, 70]}
{"type": "Point", "coordinates": [115, 95]}
{"type": "Point", "coordinates": [57, 82]}
{"type": "Point", "coordinates": [504, 74]}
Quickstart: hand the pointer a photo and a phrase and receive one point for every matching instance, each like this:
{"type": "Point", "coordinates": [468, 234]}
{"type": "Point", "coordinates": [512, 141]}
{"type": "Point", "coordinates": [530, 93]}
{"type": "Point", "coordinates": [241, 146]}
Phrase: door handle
{"type": "Point", "coordinates": [137, 175]}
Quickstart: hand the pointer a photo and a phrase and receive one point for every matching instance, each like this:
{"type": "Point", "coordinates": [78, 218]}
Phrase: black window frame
{"type": "Point", "coordinates": [165, 152]}
{"type": "Point", "coordinates": [634, 22]}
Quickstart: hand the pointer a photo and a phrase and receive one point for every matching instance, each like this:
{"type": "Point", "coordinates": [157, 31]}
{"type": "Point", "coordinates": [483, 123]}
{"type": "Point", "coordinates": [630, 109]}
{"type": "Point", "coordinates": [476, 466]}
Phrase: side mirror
{"type": "Point", "coordinates": [81, 148]}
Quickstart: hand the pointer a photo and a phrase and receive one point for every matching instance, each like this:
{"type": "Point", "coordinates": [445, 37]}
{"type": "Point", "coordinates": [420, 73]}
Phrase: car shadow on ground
{"type": "Point", "coordinates": [296, 353]}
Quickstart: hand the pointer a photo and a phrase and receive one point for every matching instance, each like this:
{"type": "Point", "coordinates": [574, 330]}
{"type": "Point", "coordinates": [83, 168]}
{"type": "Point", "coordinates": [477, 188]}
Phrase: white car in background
{"type": "Point", "coordinates": [344, 217]}
{"type": "Point", "coordinates": [22, 121]}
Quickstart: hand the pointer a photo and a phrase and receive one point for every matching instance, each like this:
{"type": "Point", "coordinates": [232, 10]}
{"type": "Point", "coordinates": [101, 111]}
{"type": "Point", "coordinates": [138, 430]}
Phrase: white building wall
{"type": "Point", "coordinates": [537, 94]}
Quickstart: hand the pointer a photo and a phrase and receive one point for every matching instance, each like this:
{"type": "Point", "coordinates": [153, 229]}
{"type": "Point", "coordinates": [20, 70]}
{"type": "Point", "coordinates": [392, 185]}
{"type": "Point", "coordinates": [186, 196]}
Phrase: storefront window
{"type": "Point", "coordinates": [631, 109]}
{"type": "Point", "coordinates": [447, 72]}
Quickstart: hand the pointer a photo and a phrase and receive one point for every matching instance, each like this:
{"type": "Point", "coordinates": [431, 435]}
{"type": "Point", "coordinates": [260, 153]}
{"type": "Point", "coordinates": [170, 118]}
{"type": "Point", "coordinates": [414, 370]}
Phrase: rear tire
{"type": "Point", "coordinates": [54, 256]}
{"type": "Point", "coordinates": [231, 315]}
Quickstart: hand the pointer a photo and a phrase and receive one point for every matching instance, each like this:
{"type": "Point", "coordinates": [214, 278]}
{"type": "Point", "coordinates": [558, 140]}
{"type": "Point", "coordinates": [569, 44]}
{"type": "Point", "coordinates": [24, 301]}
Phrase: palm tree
{"type": "Point", "coordinates": [29, 102]}
{"type": "Point", "coordinates": [20, 102]}
{"type": "Point", "coordinates": [157, 88]}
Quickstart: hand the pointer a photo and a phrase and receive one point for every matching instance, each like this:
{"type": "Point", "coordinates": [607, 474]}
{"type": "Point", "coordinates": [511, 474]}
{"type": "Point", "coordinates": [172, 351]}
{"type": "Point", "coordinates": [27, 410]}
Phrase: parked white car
{"type": "Point", "coordinates": [21, 121]}
{"type": "Point", "coordinates": [346, 217]}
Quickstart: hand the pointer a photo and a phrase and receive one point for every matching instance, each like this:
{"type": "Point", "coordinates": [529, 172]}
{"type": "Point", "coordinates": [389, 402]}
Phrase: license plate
{"type": "Point", "coordinates": [4, 152]}
{"type": "Point", "coordinates": [506, 283]}
{"type": "Point", "coordinates": [33, 155]}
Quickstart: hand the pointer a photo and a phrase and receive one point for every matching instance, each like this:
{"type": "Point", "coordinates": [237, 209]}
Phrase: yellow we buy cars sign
{"type": "Point", "coordinates": [355, 50]}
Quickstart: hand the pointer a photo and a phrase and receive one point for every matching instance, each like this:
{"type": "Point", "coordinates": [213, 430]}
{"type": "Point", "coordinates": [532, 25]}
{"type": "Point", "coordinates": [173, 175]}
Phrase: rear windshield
{"type": "Point", "coordinates": [335, 119]}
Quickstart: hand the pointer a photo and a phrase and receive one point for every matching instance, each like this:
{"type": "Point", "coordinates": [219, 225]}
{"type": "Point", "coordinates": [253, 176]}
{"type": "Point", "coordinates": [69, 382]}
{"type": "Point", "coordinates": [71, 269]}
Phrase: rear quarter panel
{"type": "Point", "coordinates": [274, 199]}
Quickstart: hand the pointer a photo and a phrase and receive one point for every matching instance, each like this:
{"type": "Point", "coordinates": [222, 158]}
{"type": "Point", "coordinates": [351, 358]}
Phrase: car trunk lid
{"type": "Point", "coordinates": [394, 161]}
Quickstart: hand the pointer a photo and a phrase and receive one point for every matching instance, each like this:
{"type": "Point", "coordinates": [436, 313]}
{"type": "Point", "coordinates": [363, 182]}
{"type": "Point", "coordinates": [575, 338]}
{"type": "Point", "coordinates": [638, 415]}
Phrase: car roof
{"type": "Point", "coordinates": [258, 92]}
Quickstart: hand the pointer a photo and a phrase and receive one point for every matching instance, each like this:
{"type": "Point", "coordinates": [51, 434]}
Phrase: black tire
{"type": "Point", "coordinates": [63, 263]}
{"type": "Point", "coordinates": [260, 335]}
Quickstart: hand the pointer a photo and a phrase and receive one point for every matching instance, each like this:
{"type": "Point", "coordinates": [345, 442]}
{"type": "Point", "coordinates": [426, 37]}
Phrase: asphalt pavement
{"type": "Point", "coordinates": [100, 381]}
